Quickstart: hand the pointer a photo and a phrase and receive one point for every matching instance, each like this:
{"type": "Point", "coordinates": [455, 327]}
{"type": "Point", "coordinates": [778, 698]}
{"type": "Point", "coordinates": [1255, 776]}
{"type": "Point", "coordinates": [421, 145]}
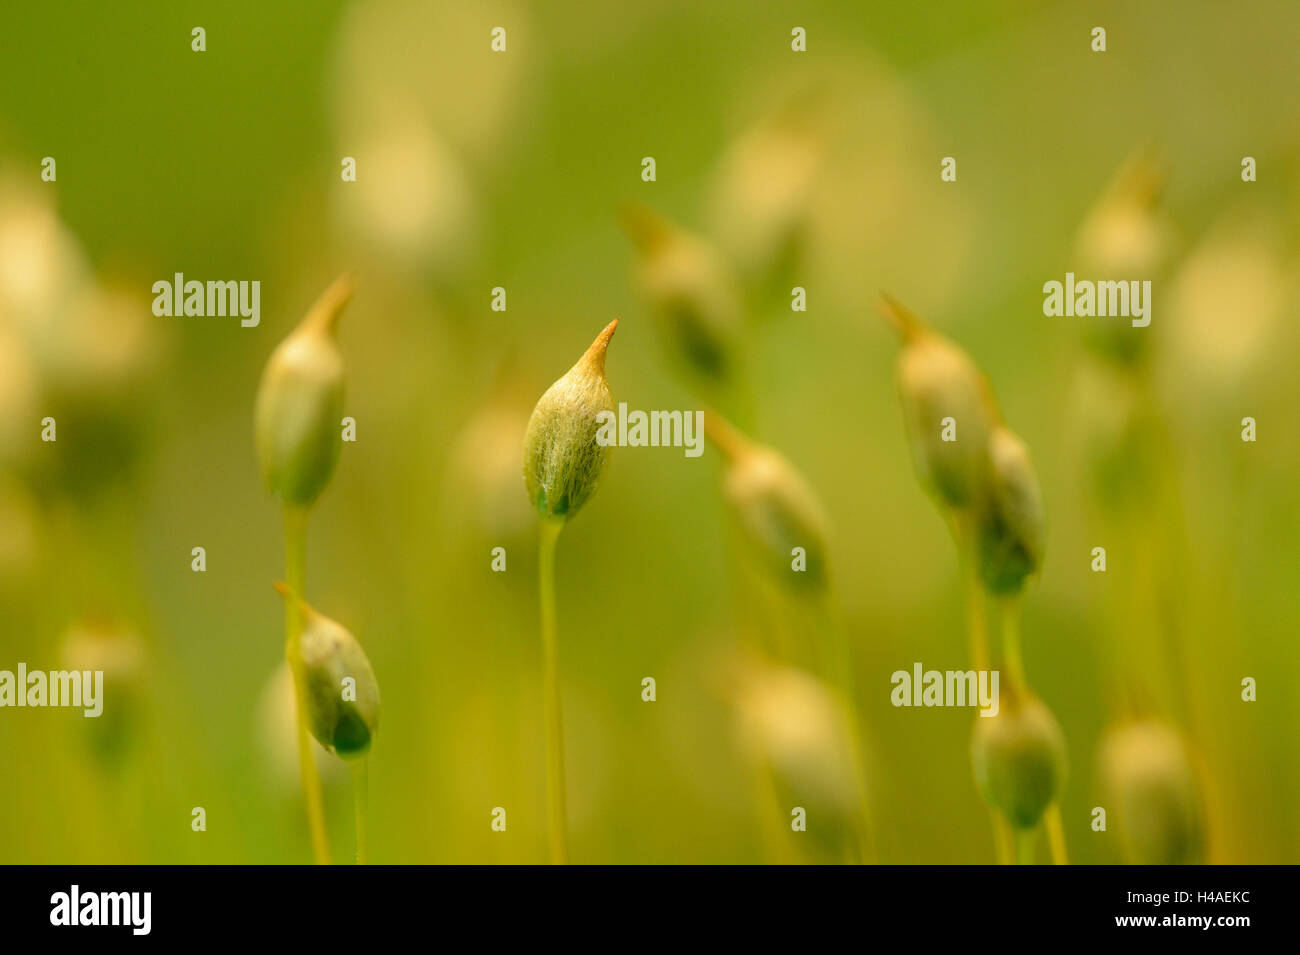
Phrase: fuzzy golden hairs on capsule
{"type": "Point", "coordinates": [563, 461]}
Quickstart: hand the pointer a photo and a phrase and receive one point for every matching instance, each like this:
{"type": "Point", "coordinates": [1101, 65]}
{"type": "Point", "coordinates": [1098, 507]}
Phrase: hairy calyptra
{"type": "Point", "coordinates": [1159, 811]}
{"type": "Point", "coordinates": [300, 403]}
{"type": "Point", "coordinates": [776, 509]}
{"type": "Point", "coordinates": [692, 294]}
{"type": "Point", "coordinates": [563, 461]}
{"type": "Point", "coordinates": [937, 381]}
{"type": "Point", "coordinates": [1011, 523]}
{"type": "Point", "coordinates": [1019, 758]}
{"type": "Point", "coordinates": [339, 685]}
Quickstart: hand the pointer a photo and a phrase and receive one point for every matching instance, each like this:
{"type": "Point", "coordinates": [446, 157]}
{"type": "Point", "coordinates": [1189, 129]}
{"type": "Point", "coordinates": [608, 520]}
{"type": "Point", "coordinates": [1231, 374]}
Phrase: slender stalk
{"type": "Point", "coordinates": [553, 713]}
{"type": "Point", "coordinates": [1004, 839]}
{"type": "Point", "coordinates": [361, 804]}
{"type": "Point", "coordinates": [1056, 835]}
{"type": "Point", "coordinates": [1120, 681]}
{"type": "Point", "coordinates": [973, 588]}
{"type": "Point", "coordinates": [963, 533]}
{"type": "Point", "coordinates": [841, 664]}
{"type": "Point", "coordinates": [1011, 642]}
{"type": "Point", "coordinates": [1159, 560]}
{"type": "Point", "coordinates": [770, 815]}
{"type": "Point", "coordinates": [737, 396]}
{"type": "Point", "coordinates": [295, 540]}
{"type": "Point", "coordinates": [1025, 846]}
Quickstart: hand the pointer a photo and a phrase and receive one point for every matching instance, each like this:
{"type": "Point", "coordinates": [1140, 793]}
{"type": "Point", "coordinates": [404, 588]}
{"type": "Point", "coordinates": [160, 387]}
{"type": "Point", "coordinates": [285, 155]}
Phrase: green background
{"type": "Point", "coordinates": [225, 165]}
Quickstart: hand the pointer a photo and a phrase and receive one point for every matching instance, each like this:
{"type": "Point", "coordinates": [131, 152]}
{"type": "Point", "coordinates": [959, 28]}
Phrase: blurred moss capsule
{"type": "Point", "coordinates": [481, 494]}
{"type": "Point", "coordinates": [948, 409]}
{"type": "Point", "coordinates": [43, 268]}
{"type": "Point", "coordinates": [276, 732]}
{"type": "Point", "coordinates": [1019, 758]}
{"type": "Point", "coordinates": [793, 720]}
{"type": "Point", "coordinates": [761, 195]}
{"type": "Point", "coordinates": [96, 384]}
{"type": "Point", "coordinates": [1124, 232]}
{"type": "Point", "coordinates": [341, 693]}
{"type": "Point", "coordinates": [1125, 237]}
{"type": "Point", "coordinates": [19, 397]}
{"type": "Point", "coordinates": [1240, 267]}
{"type": "Point", "coordinates": [777, 511]}
{"type": "Point", "coordinates": [1158, 809]}
{"type": "Point", "coordinates": [300, 403]}
{"type": "Point", "coordinates": [23, 540]}
{"type": "Point", "coordinates": [100, 646]}
{"type": "Point", "coordinates": [1118, 433]}
{"type": "Point", "coordinates": [563, 461]}
{"type": "Point", "coordinates": [693, 296]}
{"type": "Point", "coordinates": [1011, 522]}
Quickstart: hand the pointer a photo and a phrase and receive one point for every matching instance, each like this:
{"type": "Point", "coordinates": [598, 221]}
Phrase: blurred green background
{"type": "Point", "coordinates": [478, 170]}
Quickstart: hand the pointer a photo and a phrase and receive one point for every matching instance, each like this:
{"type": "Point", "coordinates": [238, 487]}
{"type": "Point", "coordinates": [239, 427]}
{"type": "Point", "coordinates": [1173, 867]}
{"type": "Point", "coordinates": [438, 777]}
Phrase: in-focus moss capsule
{"type": "Point", "coordinates": [563, 461]}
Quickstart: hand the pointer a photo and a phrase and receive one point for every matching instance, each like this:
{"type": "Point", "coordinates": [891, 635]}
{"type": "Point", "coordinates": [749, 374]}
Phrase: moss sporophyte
{"type": "Point", "coordinates": [295, 427]}
{"type": "Point", "coordinates": [300, 403]}
{"type": "Point", "coordinates": [342, 692]}
{"type": "Point", "coordinates": [342, 701]}
{"type": "Point", "coordinates": [774, 507]}
{"type": "Point", "coordinates": [563, 460]}
{"type": "Point", "coordinates": [1152, 779]}
{"type": "Point", "coordinates": [785, 529]}
{"type": "Point", "coordinates": [692, 295]}
{"type": "Point", "coordinates": [984, 484]}
{"type": "Point", "coordinates": [563, 463]}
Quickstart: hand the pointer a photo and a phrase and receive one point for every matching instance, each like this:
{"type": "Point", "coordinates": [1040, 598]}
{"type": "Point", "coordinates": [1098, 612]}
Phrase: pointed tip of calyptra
{"type": "Point", "coordinates": [309, 613]}
{"type": "Point", "coordinates": [595, 353]}
{"type": "Point", "coordinates": [287, 592]}
{"type": "Point", "coordinates": [324, 314]}
{"type": "Point", "coordinates": [902, 318]}
{"type": "Point", "coordinates": [647, 229]}
{"type": "Point", "coordinates": [723, 436]}
{"type": "Point", "coordinates": [1143, 172]}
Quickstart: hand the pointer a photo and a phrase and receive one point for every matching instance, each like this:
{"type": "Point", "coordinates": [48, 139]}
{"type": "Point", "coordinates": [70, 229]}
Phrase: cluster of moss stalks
{"type": "Point", "coordinates": [980, 476]}
{"type": "Point", "coordinates": [297, 428]}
